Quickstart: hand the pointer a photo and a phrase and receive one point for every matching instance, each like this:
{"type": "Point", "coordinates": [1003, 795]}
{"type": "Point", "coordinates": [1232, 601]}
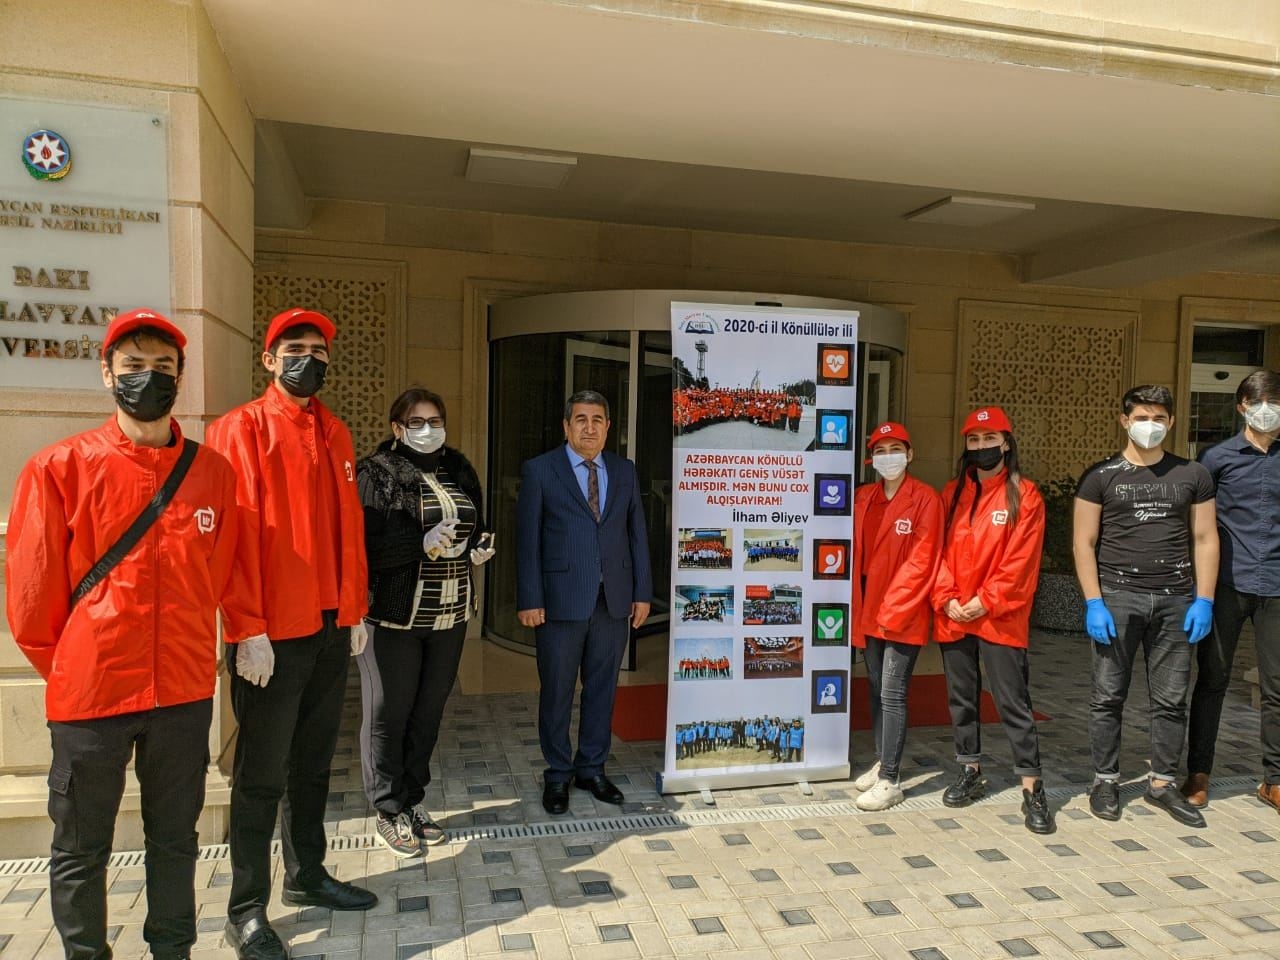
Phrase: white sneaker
{"type": "Point", "coordinates": [882, 796]}
{"type": "Point", "coordinates": [868, 779]}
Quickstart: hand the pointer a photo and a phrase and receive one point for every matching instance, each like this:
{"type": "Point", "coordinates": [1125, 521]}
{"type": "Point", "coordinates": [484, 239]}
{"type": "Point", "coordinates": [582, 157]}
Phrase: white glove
{"type": "Point", "coordinates": [359, 637]}
{"type": "Point", "coordinates": [255, 660]}
{"type": "Point", "coordinates": [439, 538]}
{"type": "Point", "coordinates": [483, 554]}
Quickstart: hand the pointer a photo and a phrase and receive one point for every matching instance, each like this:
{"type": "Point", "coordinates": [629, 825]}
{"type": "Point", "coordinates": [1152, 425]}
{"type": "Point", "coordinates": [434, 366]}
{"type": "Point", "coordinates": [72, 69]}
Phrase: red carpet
{"type": "Point", "coordinates": [640, 712]}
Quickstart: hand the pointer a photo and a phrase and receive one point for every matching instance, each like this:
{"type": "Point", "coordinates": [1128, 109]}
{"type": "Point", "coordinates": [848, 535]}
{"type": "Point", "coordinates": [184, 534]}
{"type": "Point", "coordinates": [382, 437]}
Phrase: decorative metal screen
{"type": "Point", "coordinates": [365, 301]}
{"type": "Point", "coordinates": [1059, 372]}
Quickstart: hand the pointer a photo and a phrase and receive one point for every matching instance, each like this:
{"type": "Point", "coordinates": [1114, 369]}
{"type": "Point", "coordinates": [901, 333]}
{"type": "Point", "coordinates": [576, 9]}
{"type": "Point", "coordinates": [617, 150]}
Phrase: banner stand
{"type": "Point", "coordinates": [764, 430]}
{"type": "Point", "coordinates": [692, 782]}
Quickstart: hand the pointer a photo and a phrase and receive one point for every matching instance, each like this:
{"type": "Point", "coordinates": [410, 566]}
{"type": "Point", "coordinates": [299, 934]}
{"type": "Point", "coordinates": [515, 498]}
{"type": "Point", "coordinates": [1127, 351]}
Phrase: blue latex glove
{"type": "Point", "coordinates": [1199, 620]}
{"type": "Point", "coordinates": [1098, 622]}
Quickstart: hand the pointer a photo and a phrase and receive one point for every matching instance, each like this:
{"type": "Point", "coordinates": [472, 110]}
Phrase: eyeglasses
{"type": "Point", "coordinates": [417, 423]}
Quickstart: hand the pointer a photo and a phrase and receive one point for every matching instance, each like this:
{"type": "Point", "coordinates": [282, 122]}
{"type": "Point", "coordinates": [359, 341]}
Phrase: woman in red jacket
{"type": "Point", "coordinates": [982, 606]}
{"type": "Point", "coordinates": [897, 532]}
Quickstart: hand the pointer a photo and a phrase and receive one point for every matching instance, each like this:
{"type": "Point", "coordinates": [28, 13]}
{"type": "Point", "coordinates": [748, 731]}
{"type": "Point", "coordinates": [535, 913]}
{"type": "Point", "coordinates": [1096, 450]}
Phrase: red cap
{"type": "Point", "coordinates": [296, 317]}
{"type": "Point", "coordinates": [126, 323]}
{"type": "Point", "coordinates": [888, 431]}
{"type": "Point", "coordinates": [986, 418]}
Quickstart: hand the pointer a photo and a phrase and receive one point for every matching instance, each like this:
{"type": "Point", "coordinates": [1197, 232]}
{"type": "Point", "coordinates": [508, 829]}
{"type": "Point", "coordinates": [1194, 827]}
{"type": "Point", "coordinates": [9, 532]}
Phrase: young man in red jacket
{"type": "Point", "coordinates": [301, 583]}
{"type": "Point", "coordinates": [130, 662]}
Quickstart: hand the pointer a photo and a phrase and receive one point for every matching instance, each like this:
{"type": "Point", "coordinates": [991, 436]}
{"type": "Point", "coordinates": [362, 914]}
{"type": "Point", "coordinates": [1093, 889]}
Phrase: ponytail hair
{"type": "Point", "coordinates": [1012, 483]}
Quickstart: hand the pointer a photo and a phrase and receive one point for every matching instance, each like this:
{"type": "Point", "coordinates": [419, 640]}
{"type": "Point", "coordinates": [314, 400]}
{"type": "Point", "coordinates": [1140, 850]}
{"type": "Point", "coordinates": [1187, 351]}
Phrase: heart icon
{"type": "Point", "coordinates": [835, 362]}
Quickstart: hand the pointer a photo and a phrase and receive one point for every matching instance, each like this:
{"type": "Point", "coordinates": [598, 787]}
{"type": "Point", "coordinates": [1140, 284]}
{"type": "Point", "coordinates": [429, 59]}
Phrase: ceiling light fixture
{"type": "Point", "coordinates": [958, 211]}
{"type": "Point", "coordinates": [518, 168]}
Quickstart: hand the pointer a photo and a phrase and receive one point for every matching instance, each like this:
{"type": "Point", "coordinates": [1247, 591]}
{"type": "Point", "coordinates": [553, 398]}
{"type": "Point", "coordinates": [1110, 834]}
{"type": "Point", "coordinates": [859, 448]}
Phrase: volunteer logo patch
{"type": "Point", "coordinates": [999, 517]}
{"type": "Point", "coordinates": [205, 519]}
{"type": "Point", "coordinates": [46, 155]}
{"type": "Point", "coordinates": [902, 527]}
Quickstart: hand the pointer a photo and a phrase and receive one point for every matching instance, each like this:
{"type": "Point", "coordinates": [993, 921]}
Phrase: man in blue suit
{"type": "Point", "coordinates": [582, 575]}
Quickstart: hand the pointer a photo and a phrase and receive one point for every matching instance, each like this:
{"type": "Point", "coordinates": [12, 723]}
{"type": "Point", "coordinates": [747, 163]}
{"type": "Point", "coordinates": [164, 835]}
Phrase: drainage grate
{"type": "Point", "coordinates": [639, 823]}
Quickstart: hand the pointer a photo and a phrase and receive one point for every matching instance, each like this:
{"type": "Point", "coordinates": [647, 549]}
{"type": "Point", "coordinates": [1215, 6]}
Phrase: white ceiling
{"type": "Point", "coordinates": [695, 124]}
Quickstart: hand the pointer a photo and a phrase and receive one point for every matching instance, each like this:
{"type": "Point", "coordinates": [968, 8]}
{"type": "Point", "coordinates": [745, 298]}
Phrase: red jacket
{"type": "Point", "coordinates": [273, 448]}
{"type": "Point", "coordinates": [991, 559]}
{"type": "Point", "coordinates": [904, 562]}
{"type": "Point", "coordinates": [147, 635]}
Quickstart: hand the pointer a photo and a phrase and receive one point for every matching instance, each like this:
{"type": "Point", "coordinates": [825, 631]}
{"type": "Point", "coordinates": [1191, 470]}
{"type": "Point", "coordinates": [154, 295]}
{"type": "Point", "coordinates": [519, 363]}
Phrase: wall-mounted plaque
{"type": "Point", "coordinates": [84, 234]}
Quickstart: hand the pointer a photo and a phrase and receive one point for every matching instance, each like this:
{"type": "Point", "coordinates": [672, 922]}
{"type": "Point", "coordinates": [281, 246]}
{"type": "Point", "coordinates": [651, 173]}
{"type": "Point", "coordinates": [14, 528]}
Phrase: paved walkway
{"type": "Point", "coordinates": [768, 872]}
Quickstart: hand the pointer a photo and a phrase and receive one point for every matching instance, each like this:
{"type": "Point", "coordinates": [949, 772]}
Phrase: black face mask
{"type": "Point", "coordinates": [146, 395]}
{"type": "Point", "coordinates": [302, 376]}
{"type": "Point", "coordinates": [986, 458]}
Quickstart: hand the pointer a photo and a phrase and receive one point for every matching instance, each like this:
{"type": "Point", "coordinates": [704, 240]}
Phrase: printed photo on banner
{"type": "Point", "coordinates": [830, 559]}
{"type": "Point", "coordinates": [703, 658]}
{"type": "Point", "coordinates": [736, 390]}
{"type": "Point", "coordinates": [703, 603]}
{"type": "Point", "coordinates": [830, 624]}
{"type": "Point", "coordinates": [772, 604]}
{"type": "Point", "coordinates": [772, 549]}
{"type": "Point", "coordinates": [832, 494]}
{"type": "Point", "coordinates": [704, 549]}
{"type": "Point", "coordinates": [738, 741]}
{"type": "Point", "coordinates": [834, 430]}
{"type": "Point", "coordinates": [830, 691]}
{"type": "Point", "coordinates": [772, 658]}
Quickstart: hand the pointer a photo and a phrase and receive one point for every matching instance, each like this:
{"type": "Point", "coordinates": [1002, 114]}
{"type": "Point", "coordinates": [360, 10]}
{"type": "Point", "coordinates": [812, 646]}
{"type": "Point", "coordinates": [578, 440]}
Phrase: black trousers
{"type": "Point", "coordinates": [1008, 673]}
{"type": "Point", "coordinates": [566, 648]}
{"type": "Point", "coordinates": [86, 782]}
{"type": "Point", "coordinates": [288, 730]}
{"type": "Point", "coordinates": [1215, 655]}
{"type": "Point", "coordinates": [405, 678]}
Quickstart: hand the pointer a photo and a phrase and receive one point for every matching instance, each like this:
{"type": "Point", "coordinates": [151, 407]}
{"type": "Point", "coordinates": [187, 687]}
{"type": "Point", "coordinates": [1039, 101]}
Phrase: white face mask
{"type": "Point", "coordinates": [1263, 417]}
{"type": "Point", "coordinates": [889, 465]}
{"type": "Point", "coordinates": [1148, 434]}
{"type": "Point", "coordinates": [423, 440]}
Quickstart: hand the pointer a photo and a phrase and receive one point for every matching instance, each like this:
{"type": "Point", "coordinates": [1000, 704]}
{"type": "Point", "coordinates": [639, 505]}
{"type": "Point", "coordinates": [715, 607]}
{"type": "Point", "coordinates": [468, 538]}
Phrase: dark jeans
{"type": "Point", "coordinates": [567, 648]}
{"type": "Point", "coordinates": [1008, 673]}
{"type": "Point", "coordinates": [1214, 656]}
{"type": "Point", "coordinates": [405, 678]}
{"type": "Point", "coordinates": [889, 668]}
{"type": "Point", "coordinates": [86, 781]}
{"type": "Point", "coordinates": [288, 730]}
{"type": "Point", "coordinates": [1153, 623]}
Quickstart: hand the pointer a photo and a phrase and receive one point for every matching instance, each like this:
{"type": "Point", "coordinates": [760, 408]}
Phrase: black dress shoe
{"type": "Point", "coordinates": [1035, 810]}
{"type": "Point", "coordinates": [1104, 800]}
{"type": "Point", "coordinates": [601, 788]}
{"type": "Point", "coordinates": [969, 786]}
{"type": "Point", "coordinates": [330, 893]}
{"type": "Point", "coordinates": [555, 797]}
{"type": "Point", "coordinates": [1171, 798]}
{"type": "Point", "coordinates": [253, 939]}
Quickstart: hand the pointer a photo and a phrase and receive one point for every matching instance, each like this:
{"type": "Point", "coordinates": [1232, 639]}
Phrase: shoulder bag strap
{"type": "Point", "coordinates": [150, 514]}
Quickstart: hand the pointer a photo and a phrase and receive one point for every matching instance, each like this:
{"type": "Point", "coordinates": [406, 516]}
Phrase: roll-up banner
{"type": "Point", "coordinates": [764, 423]}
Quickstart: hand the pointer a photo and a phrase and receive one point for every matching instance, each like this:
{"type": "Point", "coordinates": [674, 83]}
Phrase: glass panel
{"type": "Point", "coordinates": [530, 378]}
{"type": "Point", "coordinates": [653, 459]}
{"type": "Point", "coordinates": [1237, 346]}
{"type": "Point", "coordinates": [880, 379]}
{"type": "Point", "coordinates": [1213, 419]}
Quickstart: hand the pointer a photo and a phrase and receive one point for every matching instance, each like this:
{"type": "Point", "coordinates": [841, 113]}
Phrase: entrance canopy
{"type": "Point", "coordinates": [1125, 160]}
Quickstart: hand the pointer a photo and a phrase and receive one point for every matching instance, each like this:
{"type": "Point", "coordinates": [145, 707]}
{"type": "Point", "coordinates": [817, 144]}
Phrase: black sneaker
{"type": "Point", "coordinates": [424, 828]}
{"type": "Point", "coordinates": [1104, 800]}
{"type": "Point", "coordinates": [1035, 807]}
{"type": "Point", "coordinates": [968, 787]}
{"type": "Point", "coordinates": [1171, 799]}
{"type": "Point", "coordinates": [396, 835]}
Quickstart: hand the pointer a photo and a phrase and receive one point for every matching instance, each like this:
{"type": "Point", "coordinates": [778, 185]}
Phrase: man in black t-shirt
{"type": "Point", "coordinates": [1146, 553]}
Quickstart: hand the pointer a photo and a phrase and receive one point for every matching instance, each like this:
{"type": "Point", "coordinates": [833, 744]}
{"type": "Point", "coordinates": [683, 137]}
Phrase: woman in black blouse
{"type": "Point", "coordinates": [424, 531]}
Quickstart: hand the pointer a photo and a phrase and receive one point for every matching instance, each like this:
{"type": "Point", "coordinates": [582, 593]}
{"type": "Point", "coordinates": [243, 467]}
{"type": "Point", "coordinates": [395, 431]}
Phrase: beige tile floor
{"type": "Point", "coordinates": [769, 872]}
